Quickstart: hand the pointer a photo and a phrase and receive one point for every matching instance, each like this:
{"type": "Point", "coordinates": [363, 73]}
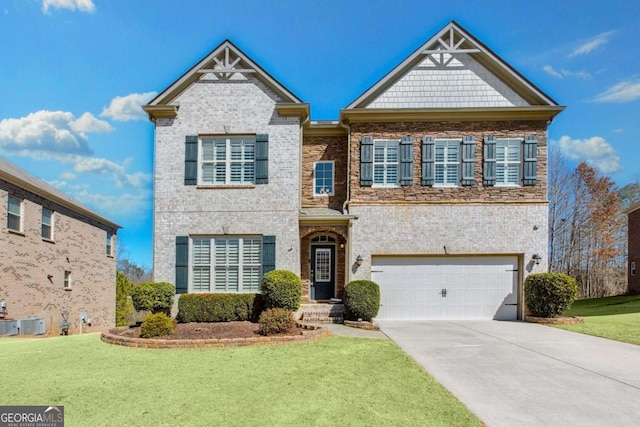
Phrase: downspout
{"type": "Point", "coordinates": [300, 159]}
{"type": "Point", "coordinates": [345, 205]}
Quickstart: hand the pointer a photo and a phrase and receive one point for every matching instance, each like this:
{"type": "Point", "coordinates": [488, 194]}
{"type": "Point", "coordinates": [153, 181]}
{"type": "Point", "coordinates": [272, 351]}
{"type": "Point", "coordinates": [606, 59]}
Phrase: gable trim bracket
{"type": "Point", "coordinates": [357, 115]}
{"type": "Point", "coordinates": [161, 111]}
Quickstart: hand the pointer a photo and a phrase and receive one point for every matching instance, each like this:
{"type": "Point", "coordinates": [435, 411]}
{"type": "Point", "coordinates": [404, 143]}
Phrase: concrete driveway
{"type": "Point", "coordinates": [515, 373]}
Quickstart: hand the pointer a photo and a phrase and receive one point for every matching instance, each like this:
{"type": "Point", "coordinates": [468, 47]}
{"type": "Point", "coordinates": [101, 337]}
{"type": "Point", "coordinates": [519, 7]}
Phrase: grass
{"type": "Point", "coordinates": [338, 380]}
{"type": "Point", "coordinates": [616, 318]}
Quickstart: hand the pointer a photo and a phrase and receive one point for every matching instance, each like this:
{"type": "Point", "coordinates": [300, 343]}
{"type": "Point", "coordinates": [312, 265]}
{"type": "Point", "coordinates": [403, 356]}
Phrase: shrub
{"type": "Point", "coordinates": [124, 307]}
{"type": "Point", "coordinates": [276, 321]}
{"type": "Point", "coordinates": [156, 325]}
{"type": "Point", "coordinates": [549, 294]}
{"type": "Point", "coordinates": [156, 297]}
{"type": "Point", "coordinates": [281, 289]}
{"type": "Point", "coordinates": [219, 307]}
{"type": "Point", "coordinates": [361, 299]}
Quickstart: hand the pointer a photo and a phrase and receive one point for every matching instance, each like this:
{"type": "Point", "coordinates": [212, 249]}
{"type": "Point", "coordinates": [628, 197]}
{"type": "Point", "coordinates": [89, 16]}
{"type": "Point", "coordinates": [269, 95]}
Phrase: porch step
{"type": "Point", "coordinates": [321, 313]}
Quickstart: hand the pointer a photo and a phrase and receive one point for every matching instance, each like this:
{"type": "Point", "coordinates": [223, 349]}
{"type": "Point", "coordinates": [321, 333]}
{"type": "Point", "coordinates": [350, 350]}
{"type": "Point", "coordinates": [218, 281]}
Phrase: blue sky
{"type": "Point", "coordinates": [73, 74]}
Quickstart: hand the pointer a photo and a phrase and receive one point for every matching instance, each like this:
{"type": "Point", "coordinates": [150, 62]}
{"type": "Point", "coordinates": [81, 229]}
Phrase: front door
{"type": "Point", "coordinates": [323, 272]}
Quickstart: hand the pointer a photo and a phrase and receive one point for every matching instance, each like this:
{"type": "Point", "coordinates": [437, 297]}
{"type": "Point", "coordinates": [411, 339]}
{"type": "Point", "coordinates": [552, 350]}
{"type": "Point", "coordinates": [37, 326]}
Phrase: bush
{"type": "Point", "coordinates": [219, 307]}
{"type": "Point", "coordinates": [361, 299]}
{"type": "Point", "coordinates": [549, 294]}
{"type": "Point", "coordinates": [156, 297]}
{"type": "Point", "coordinates": [276, 321]}
{"type": "Point", "coordinates": [124, 307]}
{"type": "Point", "coordinates": [281, 289]}
{"type": "Point", "coordinates": [156, 325]}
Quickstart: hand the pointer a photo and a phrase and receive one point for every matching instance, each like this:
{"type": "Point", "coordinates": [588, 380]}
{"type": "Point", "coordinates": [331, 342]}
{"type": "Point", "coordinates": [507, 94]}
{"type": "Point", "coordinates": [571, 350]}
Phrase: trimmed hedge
{"type": "Point", "coordinates": [276, 321]}
{"type": "Point", "coordinates": [549, 294]}
{"type": "Point", "coordinates": [281, 289]}
{"type": "Point", "coordinates": [361, 300]}
{"type": "Point", "coordinates": [219, 307]}
{"type": "Point", "coordinates": [157, 325]}
{"type": "Point", "coordinates": [156, 297]}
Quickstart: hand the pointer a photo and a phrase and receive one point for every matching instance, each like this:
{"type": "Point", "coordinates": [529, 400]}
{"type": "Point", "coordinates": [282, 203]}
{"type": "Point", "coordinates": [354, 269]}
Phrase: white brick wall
{"type": "Point", "coordinates": [461, 83]}
{"type": "Point", "coordinates": [245, 106]}
{"type": "Point", "coordinates": [471, 229]}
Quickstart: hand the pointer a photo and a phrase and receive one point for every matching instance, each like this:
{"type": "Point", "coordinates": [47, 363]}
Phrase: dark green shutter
{"type": "Point", "coordinates": [530, 160]}
{"type": "Point", "coordinates": [489, 166]}
{"type": "Point", "coordinates": [366, 161]}
{"type": "Point", "coordinates": [406, 160]}
{"type": "Point", "coordinates": [182, 264]}
{"type": "Point", "coordinates": [468, 160]}
{"type": "Point", "coordinates": [262, 159]}
{"type": "Point", "coordinates": [268, 254]}
{"type": "Point", "coordinates": [428, 158]}
{"type": "Point", "coordinates": [191, 160]}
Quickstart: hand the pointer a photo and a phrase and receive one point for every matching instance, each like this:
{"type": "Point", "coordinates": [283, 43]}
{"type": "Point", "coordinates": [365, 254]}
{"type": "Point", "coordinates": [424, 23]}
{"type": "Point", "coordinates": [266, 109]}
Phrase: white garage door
{"type": "Point", "coordinates": [440, 288]}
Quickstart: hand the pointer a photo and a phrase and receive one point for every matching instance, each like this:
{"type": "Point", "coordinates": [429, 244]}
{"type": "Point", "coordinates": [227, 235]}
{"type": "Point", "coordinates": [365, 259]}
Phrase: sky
{"type": "Point", "coordinates": [74, 73]}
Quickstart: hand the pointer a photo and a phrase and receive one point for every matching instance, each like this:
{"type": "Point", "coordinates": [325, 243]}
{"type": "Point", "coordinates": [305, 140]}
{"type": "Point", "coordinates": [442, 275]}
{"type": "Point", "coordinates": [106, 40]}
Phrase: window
{"type": "Point", "coordinates": [323, 178]}
{"type": "Point", "coordinates": [385, 163]}
{"type": "Point", "coordinates": [447, 162]}
{"type": "Point", "coordinates": [227, 160]}
{"type": "Point", "coordinates": [226, 264]}
{"type": "Point", "coordinates": [14, 216]}
{"type": "Point", "coordinates": [47, 224]}
{"type": "Point", "coordinates": [109, 244]}
{"type": "Point", "coordinates": [508, 161]}
{"type": "Point", "coordinates": [633, 268]}
{"type": "Point", "coordinates": [67, 280]}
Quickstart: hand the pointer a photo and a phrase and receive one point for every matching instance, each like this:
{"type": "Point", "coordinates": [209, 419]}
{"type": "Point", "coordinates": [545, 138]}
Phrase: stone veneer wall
{"type": "Point", "coordinates": [475, 193]}
{"type": "Point", "coordinates": [324, 148]}
{"type": "Point", "coordinates": [242, 105]}
{"type": "Point", "coordinates": [78, 246]}
{"type": "Point", "coordinates": [339, 232]}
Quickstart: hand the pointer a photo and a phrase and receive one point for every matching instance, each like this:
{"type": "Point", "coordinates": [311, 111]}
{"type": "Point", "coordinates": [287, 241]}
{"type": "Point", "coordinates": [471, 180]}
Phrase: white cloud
{"type": "Point", "coordinates": [595, 150]}
{"type": "Point", "coordinates": [591, 44]}
{"type": "Point", "coordinates": [99, 166]}
{"type": "Point", "coordinates": [618, 130]}
{"type": "Point", "coordinates": [125, 108]}
{"type": "Point", "coordinates": [68, 175]}
{"type": "Point", "coordinates": [566, 73]}
{"type": "Point", "coordinates": [89, 123]}
{"type": "Point", "coordinates": [44, 132]}
{"type": "Point", "coordinates": [123, 206]}
{"type": "Point", "coordinates": [80, 5]}
{"type": "Point", "coordinates": [622, 92]}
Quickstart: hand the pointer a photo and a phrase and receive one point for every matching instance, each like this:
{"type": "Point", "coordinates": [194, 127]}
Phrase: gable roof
{"type": "Point", "coordinates": [226, 59]}
{"type": "Point", "coordinates": [13, 174]}
{"type": "Point", "coordinates": [453, 40]}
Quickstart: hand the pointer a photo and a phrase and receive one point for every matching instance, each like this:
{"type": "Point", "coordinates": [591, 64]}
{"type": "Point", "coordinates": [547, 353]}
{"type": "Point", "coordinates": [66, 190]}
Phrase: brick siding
{"type": "Point", "coordinates": [324, 148]}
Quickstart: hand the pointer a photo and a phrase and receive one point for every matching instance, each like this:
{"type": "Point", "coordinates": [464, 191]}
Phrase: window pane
{"type": "Point", "coordinates": [14, 205]}
{"type": "Point", "coordinates": [236, 172]}
{"type": "Point", "coordinates": [249, 150]}
{"type": "Point", "coordinates": [201, 279]}
{"type": "Point", "coordinates": [220, 170]}
{"type": "Point", "coordinates": [392, 174]}
{"type": "Point", "coordinates": [207, 149]}
{"type": "Point", "coordinates": [220, 149]}
{"type": "Point", "coordinates": [236, 149]}
{"type": "Point", "coordinates": [392, 152]}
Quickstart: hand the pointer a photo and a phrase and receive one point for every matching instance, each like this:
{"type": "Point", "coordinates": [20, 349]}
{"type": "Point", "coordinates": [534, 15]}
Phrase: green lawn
{"type": "Point", "coordinates": [343, 381]}
{"type": "Point", "coordinates": [616, 318]}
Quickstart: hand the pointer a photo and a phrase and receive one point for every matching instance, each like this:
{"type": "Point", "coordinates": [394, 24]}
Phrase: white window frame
{"type": "Point", "coordinates": [67, 282]}
{"type": "Point", "coordinates": [246, 160]}
{"type": "Point", "coordinates": [109, 244]}
{"type": "Point", "coordinates": [333, 178]}
{"type": "Point", "coordinates": [51, 224]}
{"type": "Point", "coordinates": [445, 163]}
{"type": "Point", "coordinates": [20, 215]}
{"type": "Point", "coordinates": [386, 164]}
{"type": "Point", "coordinates": [506, 142]}
{"type": "Point", "coordinates": [211, 265]}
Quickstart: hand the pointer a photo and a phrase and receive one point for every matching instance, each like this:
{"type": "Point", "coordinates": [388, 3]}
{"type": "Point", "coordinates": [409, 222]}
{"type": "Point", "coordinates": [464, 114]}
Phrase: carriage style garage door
{"type": "Point", "coordinates": [440, 288]}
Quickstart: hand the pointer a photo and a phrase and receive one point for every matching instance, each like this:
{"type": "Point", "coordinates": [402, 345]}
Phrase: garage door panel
{"type": "Point", "coordinates": [411, 288]}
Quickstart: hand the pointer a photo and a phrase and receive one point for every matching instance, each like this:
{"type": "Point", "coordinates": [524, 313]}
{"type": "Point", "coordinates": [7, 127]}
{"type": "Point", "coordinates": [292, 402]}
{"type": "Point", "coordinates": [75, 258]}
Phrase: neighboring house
{"type": "Point", "coordinates": [633, 242]}
{"type": "Point", "coordinates": [432, 183]}
{"type": "Point", "coordinates": [55, 255]}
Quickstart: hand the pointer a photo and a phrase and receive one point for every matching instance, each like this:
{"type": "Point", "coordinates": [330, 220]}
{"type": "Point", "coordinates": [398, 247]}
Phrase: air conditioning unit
{"type": "Point", "coordinates": [8, 327]}
{"type": "Point", "coordinates": [32, 326]}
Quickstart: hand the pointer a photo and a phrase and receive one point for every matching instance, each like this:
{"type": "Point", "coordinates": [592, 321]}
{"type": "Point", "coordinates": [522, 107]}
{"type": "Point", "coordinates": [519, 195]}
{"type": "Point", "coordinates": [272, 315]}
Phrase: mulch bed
{"type": "Point", "coordinates": [217, 330]}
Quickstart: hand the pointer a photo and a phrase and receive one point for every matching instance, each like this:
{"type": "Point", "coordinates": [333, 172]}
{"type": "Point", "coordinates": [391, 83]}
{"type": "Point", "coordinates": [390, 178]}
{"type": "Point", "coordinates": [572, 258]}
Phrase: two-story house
{"type": "Point", "coordinates": [56, 256]}
{"type": "Point", "coordinates": [432, 183]}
